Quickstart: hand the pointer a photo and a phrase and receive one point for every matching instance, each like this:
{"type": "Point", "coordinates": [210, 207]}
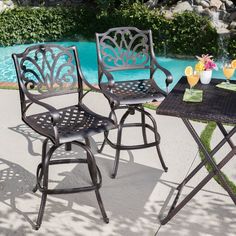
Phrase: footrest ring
{"type": "Point", "coordinates": [69, 190]}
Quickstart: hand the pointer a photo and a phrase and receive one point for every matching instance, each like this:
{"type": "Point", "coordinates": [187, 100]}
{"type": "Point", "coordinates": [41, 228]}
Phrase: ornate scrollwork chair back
{"type": "Point", "coordinates": [47, 70]}
{"type": "Point", "coordinates": [127, 48]}
{"type": "Point", "coordinates": [124, 49]}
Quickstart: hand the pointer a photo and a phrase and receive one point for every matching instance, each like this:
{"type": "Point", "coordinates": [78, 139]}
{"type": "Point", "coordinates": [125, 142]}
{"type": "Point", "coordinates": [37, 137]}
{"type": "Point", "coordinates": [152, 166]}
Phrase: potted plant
{"type": "Point", "coordinates": [205, 66]}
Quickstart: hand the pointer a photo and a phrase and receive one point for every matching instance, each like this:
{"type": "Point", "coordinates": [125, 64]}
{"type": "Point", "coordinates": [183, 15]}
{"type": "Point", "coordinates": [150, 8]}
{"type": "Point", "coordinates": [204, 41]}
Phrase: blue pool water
{"type": "Point", "coordinates": [88, 59]}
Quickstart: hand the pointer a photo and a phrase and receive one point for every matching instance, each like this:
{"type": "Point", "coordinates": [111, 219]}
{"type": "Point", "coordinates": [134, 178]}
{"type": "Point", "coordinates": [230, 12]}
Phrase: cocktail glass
{"type": "Point", "coordinates": [228, 72]}
{"type": "Point", "coordinates": [193, 80]}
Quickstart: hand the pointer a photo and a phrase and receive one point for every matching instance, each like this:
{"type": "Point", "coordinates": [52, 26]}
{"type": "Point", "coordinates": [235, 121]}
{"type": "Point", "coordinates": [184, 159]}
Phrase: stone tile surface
{"type": "Point", "coordinates": [134, 200]}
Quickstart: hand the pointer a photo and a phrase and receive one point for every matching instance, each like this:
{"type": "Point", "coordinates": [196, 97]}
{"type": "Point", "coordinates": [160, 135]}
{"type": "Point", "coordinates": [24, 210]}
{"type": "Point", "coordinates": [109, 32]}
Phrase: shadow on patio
{"type": "Point", "coordinates": [124, 198]}
{"type": "Point", "coordinates": [127, 199]}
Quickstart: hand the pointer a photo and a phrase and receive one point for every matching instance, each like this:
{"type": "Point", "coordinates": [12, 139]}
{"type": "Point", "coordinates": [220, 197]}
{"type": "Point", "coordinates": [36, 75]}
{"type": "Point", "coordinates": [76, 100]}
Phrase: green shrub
{"type": "Point", "coordinates": [186, 33]}
{"type": "Point", "coordinates": [193, 34]}
{"type": "Point", "coordinates": [23, 25]}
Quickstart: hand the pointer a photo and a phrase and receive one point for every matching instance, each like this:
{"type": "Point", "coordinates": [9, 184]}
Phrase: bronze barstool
{"type": "Point", "coordinates": [128, 48]}
{"type": "Point", "coordinates": [46, 71]}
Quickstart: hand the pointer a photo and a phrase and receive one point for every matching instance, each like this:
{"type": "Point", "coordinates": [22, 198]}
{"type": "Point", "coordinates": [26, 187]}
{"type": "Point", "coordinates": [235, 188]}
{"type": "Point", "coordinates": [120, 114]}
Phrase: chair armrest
{"type": "Point", "coordinates": [108, 94]}
{"type": "Point", "coordinates": [52, 110]}
{"type": "Point", "coordinates": [169, 77]}
{"type": "Point", "coordinates": [110, 78]}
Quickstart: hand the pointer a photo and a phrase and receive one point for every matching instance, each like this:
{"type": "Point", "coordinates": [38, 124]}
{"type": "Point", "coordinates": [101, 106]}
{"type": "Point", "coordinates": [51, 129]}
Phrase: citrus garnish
{"type": "Point", "coordinates": [188, 71]}
{"type": "Point", "coordinates": [233, 64]}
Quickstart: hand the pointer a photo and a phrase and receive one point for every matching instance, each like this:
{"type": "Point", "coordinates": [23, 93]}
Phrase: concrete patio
{"type": "Point", "coordinates": [133, 201]}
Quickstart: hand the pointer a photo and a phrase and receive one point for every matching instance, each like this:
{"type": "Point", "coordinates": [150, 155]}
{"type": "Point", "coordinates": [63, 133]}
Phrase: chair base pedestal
{"type": "Point", "coordinates": [42, 178]}
{"type": "Point", "coordinates": [118, 146]}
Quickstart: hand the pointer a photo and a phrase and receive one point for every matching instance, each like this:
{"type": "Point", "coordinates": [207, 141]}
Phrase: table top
{"type": "Point", "coordinates": [218, 104]}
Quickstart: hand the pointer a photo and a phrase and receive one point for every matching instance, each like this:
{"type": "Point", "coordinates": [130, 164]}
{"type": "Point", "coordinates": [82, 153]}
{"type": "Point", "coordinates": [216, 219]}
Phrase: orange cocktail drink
{"type": "Point", "coordinates": [192, 80]}
{"type": "Point", "coordinates": [228, 72]}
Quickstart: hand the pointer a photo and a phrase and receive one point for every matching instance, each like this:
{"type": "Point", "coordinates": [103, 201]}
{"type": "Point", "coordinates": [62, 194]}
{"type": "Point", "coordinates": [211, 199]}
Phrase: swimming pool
{"type": "Point", "coordinates": [88, 58]}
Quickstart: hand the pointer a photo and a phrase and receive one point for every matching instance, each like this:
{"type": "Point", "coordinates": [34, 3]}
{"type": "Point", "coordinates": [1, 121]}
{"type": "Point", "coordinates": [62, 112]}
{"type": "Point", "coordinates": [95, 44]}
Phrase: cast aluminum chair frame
{"type": "Point", "coordinates": [128, 48]}
{"type": "Point", "coordinates": [45, 71]}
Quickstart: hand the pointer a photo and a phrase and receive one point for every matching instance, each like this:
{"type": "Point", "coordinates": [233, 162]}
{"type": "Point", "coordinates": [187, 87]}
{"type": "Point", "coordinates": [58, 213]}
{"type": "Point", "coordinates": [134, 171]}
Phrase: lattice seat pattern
{"type": "Point", "coordinates": [136, 91]}
{"type": "Point", "coordinates": [76, 122]}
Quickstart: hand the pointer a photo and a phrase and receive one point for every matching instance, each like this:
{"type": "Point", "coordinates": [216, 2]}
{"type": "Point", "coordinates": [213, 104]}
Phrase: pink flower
{"type": "Point", "coordinates": [210, 65]}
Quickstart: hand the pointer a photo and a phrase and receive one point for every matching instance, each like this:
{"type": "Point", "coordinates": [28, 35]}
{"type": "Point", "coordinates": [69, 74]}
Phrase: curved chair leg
{"type": "Point", "coordinates": [118, 143]}
{"type": "Point", "coordinates": [45, 186]}
{"type": "Point", "coordinates": [44, 152]}
{"type": "Point", "coordinates": [104, 142]}
{"type": "Point", "coordinates": [143, 126]}
{"type": "Point", "coordinates": [87, 142]}
{"type": "Point", "coordinates": [35, 189]}
{"type": "Point", "coordinates": [41, 211]}
{"type": "Point", "coordinates": [93, 174]}
{"type": "Point", "coordinates": [165, 168]}
{"type": "Point", "coordinates": [102, 209]}
{"type": "Point", "coordinates": [106, 133]}
{"type": "Point", "coordinates": [157, 139]}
